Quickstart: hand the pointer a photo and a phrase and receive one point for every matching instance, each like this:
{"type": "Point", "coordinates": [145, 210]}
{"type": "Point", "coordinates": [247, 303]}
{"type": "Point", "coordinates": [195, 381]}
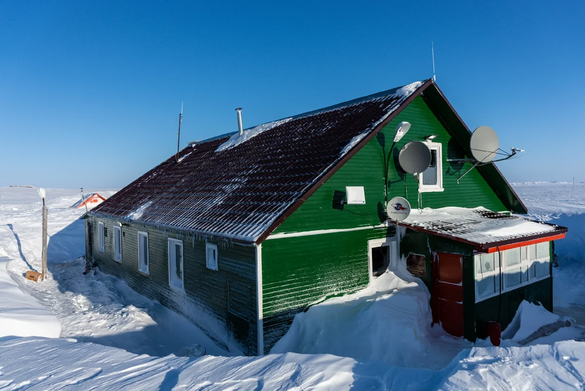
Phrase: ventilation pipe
{"type": "Point", "coordinates": [240, 126]}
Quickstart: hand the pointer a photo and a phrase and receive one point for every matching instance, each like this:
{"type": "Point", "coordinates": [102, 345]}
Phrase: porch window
{"type": "Point", "coordinates": [143, 252]}
{"type": "Point", "coordinates": [211, 256]}
{"type": "Point", "coordinates": [519, 266]}
{"type": "Point", "coordinates": [487, 276]}
{"type": "Point", "coordinates": [431, 179]}
{"type": "Point", "coordinates": [101, 236]}
{"type": "Point", "coordinates": [176, 263]}
{"type": "Point", "coordinates": [118, 244]}
{"type": "Point", "coordinates": [541, 264]}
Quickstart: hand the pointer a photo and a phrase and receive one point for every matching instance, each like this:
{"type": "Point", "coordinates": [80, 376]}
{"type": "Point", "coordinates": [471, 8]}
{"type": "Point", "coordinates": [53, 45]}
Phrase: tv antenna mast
{"type": "Point", "coordinates": [179, 135]}
{"type": "Point", "coordinates": [433, 56]}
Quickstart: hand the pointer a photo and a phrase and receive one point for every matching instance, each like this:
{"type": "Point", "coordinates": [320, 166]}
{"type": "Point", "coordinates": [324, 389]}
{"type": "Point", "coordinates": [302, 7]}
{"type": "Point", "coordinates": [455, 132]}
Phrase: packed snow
{"type": "Point", "coordinates": [112, 338]}
{"type": "Point", "coordinates": [470, 225]}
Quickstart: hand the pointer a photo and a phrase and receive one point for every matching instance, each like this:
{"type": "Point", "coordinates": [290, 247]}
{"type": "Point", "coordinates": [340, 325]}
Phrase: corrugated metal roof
{"type": "Point", "coordinates": [240, 191]}
{"type": "Point", "coordinates": [479, 227]}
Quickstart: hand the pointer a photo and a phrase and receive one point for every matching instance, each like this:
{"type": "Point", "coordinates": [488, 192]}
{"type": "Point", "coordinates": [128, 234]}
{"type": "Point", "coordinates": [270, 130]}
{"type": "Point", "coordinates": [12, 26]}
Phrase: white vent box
{"type": "Point", "coordinates": [355, 195]}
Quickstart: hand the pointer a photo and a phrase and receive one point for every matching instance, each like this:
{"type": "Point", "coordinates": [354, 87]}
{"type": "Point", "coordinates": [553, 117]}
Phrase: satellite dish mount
{"type": "Point", "coordinates": [485, 147]}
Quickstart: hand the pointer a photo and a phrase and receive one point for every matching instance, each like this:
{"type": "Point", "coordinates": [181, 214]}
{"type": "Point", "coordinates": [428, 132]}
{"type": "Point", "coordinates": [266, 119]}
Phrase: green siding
{"type": "Point", "coordinates": [228, 295]}
{"type": "Point", "coordinates": [299, 271]}
{"type": "Point", "coordinates": [366, 168]}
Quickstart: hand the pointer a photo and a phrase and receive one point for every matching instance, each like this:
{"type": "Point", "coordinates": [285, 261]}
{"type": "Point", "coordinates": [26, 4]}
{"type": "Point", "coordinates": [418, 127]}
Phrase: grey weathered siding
{"type": "Point", "coordinates": [227, 295]}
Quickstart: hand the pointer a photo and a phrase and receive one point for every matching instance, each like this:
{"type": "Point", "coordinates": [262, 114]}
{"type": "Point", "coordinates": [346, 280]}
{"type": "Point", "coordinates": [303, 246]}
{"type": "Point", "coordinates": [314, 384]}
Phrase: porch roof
{"type": "Point", "coordinates": [483, 229]}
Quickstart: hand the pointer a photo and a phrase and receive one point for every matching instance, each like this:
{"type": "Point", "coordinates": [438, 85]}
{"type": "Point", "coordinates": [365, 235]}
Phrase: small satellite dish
{"type": "Point", "coordinates": [41, 192]}
{"type": "Point", "coordinates": [484, 144]}
{"type": "Point", "coordinates": [398, 208]}
{"type": "Point", "coordinates": [414, 157]}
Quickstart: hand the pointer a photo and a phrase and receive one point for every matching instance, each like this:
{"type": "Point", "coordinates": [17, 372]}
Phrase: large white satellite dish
{"type": "Point", "coordinates": [484, 144]}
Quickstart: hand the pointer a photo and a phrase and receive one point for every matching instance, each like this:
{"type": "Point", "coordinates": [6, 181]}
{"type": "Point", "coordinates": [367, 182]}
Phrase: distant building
{"type": "Point", "coordinates": [91, 200]}
{"type": "Point", "coordinates": [251, 229]}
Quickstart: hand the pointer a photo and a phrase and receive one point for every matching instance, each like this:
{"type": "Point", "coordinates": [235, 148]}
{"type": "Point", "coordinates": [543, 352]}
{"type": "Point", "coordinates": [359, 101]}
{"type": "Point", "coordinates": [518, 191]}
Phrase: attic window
{"type": "Point", "coordinates": [432, 178]}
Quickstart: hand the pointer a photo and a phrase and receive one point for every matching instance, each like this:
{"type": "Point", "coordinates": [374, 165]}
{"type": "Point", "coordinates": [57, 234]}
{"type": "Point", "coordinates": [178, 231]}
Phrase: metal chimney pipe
{"type": "Point", "coordinates": [240, 126]}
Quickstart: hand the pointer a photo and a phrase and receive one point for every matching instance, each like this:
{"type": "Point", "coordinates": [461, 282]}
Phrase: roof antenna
{"type": "Point", "coordinates": [179, 135]}
{"type": "Point", "coordinates": [433, 55]}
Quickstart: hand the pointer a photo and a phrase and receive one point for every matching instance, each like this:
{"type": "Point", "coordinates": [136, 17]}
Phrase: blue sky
{"type": "Point", "coordinates": [90, 91]}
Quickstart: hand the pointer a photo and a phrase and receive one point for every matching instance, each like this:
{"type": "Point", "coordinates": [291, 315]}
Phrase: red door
{"type": "Point", "coordinates": [447, 300]}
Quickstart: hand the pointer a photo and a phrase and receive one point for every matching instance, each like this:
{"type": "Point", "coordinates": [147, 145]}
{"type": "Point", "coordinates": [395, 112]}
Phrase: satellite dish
{"type": "Point", "coordinates": [414, 157]}
{"type": "Point", "coordinates": [41, 192]}
{"type": "Point", "coordinates": [484, 144]}
{"type": "Point", "coordinates": [398, 208]}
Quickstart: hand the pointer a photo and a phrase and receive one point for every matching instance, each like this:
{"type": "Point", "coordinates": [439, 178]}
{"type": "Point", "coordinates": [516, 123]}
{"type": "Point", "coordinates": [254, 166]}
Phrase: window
{"type": "Point", "coordinates": [101, 236]}
{"type": "Point", "coordinates": [541, 264]}
{"type": "Point", "coordinates": [211, 256]}
{"type": "Point", "coordinates": [118, 243]}
{"type": "Point", "coordinates": [431, 179]}
{"type": "Point", "coordinates": [519, 266]}
{"type": "Point", "coordinates": [143, 252]}
{"type": "Point", "coordinates": [176, 263]}
{"type": "Point", "coordinates": [416, 264]}
{"type": "Point", "coordinates": [487, 276]}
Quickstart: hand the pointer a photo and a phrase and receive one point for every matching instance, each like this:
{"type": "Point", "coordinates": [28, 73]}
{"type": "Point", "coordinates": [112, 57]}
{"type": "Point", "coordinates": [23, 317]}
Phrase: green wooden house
{"type": "Point", "coordinates": [241, 232]}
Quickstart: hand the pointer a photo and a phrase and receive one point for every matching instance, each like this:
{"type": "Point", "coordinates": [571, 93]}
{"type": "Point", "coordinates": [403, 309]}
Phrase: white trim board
{"type": "Point", "coordinates": [324, 231]}
{"type": "Point", "coordinates": [259, 302]}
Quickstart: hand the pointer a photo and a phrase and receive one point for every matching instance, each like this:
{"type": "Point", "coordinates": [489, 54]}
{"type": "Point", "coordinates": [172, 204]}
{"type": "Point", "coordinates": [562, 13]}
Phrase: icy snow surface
{"type": "Point", "coordinates": [20, 314]}
{"type": "Point", "coordinates": [115, 339]}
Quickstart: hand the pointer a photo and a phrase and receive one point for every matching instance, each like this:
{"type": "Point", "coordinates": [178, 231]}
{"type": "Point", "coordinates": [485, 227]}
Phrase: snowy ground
{"type": "Point", "coordinates": [112, 338]}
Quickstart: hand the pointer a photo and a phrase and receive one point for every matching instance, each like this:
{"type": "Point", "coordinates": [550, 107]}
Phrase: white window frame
{"type": "Point", "coordinates": [101, 241]}
{"type": "Point", "coordinates": [391, 243]}
{"type": "Point", "coordinates": [117, 246]}
{"type": "Point", "coordinates": [211, 256]}
{"type": "Point", "coordinates": [528, 268]}
{"type": "Point", "coordinates": [480, 276]}
{"type": "Point", "coordinates": [540, 259]}
{"type": "Point", "coordinates": [143, 257]}
{"type": "Point", "coordinates": [173, 280]}
{"type": "Point", "coordinates": [422, 188]}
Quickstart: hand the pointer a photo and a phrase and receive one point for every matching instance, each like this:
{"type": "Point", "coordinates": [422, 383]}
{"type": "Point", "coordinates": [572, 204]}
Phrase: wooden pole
{"type": "Point", "coordinates": [44, 254]}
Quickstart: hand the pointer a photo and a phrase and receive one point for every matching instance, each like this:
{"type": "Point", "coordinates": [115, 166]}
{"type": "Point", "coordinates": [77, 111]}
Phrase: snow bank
{"type": "Point", "coordinates": [20, 314]}
{"type": "Point", "coordinates": [387, 321]}
{"type": "Point", "coordinates": [529, 319]}
{"type": "Point", "coordinates": [85, 366]}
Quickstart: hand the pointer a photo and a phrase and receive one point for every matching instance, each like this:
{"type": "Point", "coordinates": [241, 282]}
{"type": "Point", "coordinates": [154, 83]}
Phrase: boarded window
{"type": "Point", "coordinates": [416, 264]}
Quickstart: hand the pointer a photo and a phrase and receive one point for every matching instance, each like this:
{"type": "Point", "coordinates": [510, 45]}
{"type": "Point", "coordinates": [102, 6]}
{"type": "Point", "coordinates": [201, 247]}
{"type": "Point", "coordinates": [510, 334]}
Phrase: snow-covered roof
{"type": "Point", "coordinates": [480, 227]}
{"type": "Point", "coordinates": [239, 186]}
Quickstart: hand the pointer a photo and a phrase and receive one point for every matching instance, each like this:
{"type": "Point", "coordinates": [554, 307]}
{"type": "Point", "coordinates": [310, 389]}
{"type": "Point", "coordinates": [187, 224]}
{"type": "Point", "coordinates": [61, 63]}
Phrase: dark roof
{"type": "Point", "coordinates": [240, 192]}
{"type": "Point", "coordinates": [481, 228]}
{"type": "Point", "coordinates": [245, 191]}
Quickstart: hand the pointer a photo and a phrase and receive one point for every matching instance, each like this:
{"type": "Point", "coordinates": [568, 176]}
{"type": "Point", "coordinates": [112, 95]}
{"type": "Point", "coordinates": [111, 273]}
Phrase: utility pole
{"type": "Point", "coordinates": [44, 249]}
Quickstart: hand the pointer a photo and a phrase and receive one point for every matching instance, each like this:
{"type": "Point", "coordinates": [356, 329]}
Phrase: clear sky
{"type": "Point", "coordinates": [90, 91]}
